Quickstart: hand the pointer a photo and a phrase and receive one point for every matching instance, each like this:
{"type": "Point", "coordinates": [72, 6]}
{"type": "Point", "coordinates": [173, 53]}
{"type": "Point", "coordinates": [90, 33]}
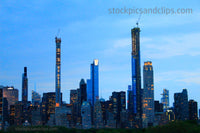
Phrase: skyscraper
{"type": "Point", "coordinates": [93, 83]}
{"type": "Point", "coordinates": [58, 60]}
{"type": "Point", "coordinates": [148, 94]}
{"type": "Point", "coordinates": [11, 94]}
{"type": "Point", "coordinates": [36, 98]}
{"type": "Point", "coordinates": [24, 86]}
{"type": "Point", "coordinates": [98, 115]}
{"type": "Point", "coordinates": [136, 76]}
{"type": "Point", "coordinates": [118, 100]}
{"type": "Point", "coordinates": [181, 109]}
{"type": "Point", "coordinates": [86, 115]}
{"type": "Point", "coordinates": [165, 99]}
{"type": "Point", "coordinates": [83, 88]}
{"type": "Point", "coordinates": [193, 110]}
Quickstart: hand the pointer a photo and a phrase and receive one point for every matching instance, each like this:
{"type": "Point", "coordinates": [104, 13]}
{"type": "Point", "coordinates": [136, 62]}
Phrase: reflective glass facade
{"type": "Point", "coordinates": [165, 99]}
{"type": "Point", "coordinates": [93, 83]}
{"type": "Point", "coordinates": [136, 74]}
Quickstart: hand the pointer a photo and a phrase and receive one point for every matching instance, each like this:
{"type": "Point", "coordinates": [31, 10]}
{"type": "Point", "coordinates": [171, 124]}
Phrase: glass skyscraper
{"type": "Point", "coordinates": [93, 83]}
{"type": "Point", "coordinates": [136, 77]}
{"type": "Point", "coordinates": [165, 99]}
{"type": "Point", "coordinates": [148, 95]}
{"type": "Point", "coordinates": [58, 60]}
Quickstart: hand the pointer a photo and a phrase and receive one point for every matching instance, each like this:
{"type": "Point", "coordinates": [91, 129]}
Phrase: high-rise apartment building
{"type": "Point", "coordinates": [86, 115]}
{"type": "Point", "coordinates": [148, 94]}
{"type": "Point", "coordinates": [118, 100]}
{"type": "Point", "coordinates": [181, 109]}
{"type": "Point", "coordinates": [58, 72]}
{"type": "Point", "coordinates": [11, 94]}
{"type": "Point", "coordinates": [165, 99]}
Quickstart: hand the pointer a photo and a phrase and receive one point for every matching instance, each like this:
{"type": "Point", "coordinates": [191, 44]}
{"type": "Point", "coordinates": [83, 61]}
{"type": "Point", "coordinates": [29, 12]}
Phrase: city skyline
{"type": "Point", "coordinates": [172, 77]}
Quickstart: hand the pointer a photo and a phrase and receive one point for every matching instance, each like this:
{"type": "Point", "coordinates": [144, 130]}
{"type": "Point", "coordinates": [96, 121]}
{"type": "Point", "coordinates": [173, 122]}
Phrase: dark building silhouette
{"type": "Point", "coordinates": [83, 89]}
{"type": "Point", "coordinates": [158, 111]}
{"type": "Point", "coordinates": [75, 101]}
{"type": "Point", "coordinates": [25, 86]}
{"type": "Point", "coordinates": [136, 100]}
{"type": "Point", "coordinates": [193, 115]}
{"type": "Point", "coordinates": [158, 107]}
{"type": "Point", "coordinates": [19, 118]}
{"type": "Point", "coordinates": [181, 109]}
{"type": "Point", "coordinates": [12, 115]}
{"type": "Point", "coordinates": [5, 111]}
{"type": "Point", "coordinates": [118, 100]}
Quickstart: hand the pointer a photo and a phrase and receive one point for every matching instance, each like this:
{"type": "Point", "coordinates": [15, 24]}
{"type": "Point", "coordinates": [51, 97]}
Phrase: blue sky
{"type": "Point", "coordinates": [88, 31]}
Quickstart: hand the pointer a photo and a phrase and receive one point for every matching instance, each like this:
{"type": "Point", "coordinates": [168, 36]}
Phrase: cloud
{"type": "Point", "coordinates": [187, 77]}
{"type": "Point", "coordinates": [175, 45]}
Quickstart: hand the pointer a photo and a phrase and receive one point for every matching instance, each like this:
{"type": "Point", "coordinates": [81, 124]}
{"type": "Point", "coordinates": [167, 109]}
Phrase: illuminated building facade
{"type": "Point", "coordinates": [24, 86]}
{"type": "Point", "coordinates": [136, 77]}
{"type": "Point", "coordinates": [148, 95]}
{"type": "Point", "coordinates": [58, 72]}
{"type": "Point", "coordinates": [165, 99]}
{"type": "Point", "coordinates": [181, 109]}
{"type": "Point", "coordinates": [193, 109]}
{"type": "Point", "coordinates": [48, 106]}
{"type": "Point", "coordinates": [11, 94]}
{"type": "Point", "coordinates": [93, 83]}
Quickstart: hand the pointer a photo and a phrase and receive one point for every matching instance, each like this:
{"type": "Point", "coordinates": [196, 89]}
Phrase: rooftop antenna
{"type": "Point", "coordinates": [58, 33]}
{"type": "Point", "coordinates": [137, 23]}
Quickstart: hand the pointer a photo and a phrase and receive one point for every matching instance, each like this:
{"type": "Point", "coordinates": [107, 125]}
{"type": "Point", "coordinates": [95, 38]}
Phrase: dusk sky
{"type": "Point", "coordinates": [89, 31]}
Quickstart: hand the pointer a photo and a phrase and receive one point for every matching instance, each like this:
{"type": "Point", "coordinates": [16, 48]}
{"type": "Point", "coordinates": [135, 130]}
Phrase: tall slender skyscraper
{"type": "Point", "coordinates": [136, 76]}
{"type": "Point", "coordinates": [58, 85]}
{"type": "Point", "coordinates": [24, 87]}
{"type": "Point", "coordinates": [148, 95]}
{"type": "Point", "coordinates": [93, 83]}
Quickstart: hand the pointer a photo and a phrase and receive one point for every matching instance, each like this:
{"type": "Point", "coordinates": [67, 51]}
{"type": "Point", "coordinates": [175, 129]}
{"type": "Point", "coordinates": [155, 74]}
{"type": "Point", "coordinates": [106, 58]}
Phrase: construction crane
{"type": "Point", "coordinates": [137, 23]}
